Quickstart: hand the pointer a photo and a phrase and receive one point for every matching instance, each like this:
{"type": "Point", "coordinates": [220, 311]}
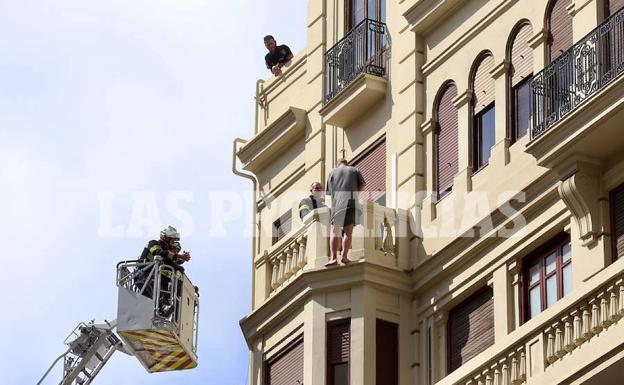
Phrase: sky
{"type": "Point", "coordinates": [116, 119]}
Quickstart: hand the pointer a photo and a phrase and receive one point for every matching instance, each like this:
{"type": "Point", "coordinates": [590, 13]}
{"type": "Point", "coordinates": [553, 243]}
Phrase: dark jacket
{"type": "Point", "coordinates": [160, 248]}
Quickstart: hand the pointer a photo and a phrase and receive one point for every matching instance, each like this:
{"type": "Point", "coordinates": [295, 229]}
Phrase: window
{"type": "Point", "coordinates": [287, 366]}
{"type": "Point", "coordinates": [387, 353]}
{"type": "Point", "coordinates": [559, 26]}
{"type": "Point", "coordinates": [358, 10]}
{"type": "Point", "coordinates": [338, 352]}
{"type": "Point", "coordinates": [547, 275]}
{"type": "Point", "coordinates": [520, 74]}
{"type": "Point", "coordinates": [482, 109]}
{"type": "Point", "coordinates": [445, 140]}
{"type": "Point", "coordinates": [282, 226]}
{"type": "Point", "coordinates": [470, 328]}
{"type": "Point", "coordinates": [617, 221]}
{"type": "Point", "coordinates": [521, 95]}
{"type": "Point", "coordinates": [484, 128]}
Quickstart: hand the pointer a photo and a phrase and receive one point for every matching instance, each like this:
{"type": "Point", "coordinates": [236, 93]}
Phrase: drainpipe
{"type": "Point", "coordinates": [256, 185]}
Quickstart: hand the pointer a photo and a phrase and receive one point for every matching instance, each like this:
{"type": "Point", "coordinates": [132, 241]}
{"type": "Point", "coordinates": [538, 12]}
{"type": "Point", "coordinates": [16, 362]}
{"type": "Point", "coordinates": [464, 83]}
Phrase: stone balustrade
{"type": "Point", "coordinates": [376, 240]}
{"type": "Point", "coordinates": [586, 321]}
{"type": "Point", "coordinates": [510, 369]}
{"type": "Point", "coordinates": [534, 354]}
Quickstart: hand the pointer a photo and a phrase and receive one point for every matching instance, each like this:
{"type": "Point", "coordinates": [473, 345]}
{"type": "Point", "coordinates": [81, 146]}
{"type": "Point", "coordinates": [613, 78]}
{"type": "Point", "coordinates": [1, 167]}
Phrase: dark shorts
{"type": "Point", "coordinates": [345, 218]}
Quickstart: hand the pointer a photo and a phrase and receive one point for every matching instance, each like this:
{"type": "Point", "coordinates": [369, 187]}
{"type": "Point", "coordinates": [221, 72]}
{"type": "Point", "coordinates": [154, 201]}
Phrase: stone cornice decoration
{"type": "Point", "coordinates": [580, 191]}
{"type": "Point", "coordinates": [538, 39]}
{"type": "Point", "coordinates": [266, 145]}
{"type": "Point", "coordinates": [424, 14]}
{"type": "Point", "coordinates": [462, 99]}
{"type": "Point", "coordinates": [500, 69]}
{"type": "Point", "coordinates": [427, 127]}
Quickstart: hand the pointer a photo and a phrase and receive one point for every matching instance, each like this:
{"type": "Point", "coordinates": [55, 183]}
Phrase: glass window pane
{"type": "Point", "coordinates": [551, 263]}
{"type": "Point", "coordinates": [535, 304]}
{"type": "Point", "coordinates": [567, 280]}
{"type": "Point", "coordinates": [566, 252]}
{"type": "Point", "coordinates": [534, 274]}
{"type": "Point", "coordinates": [522, 94]}
{"type": "Point", "coordinates": [358, 12]}
{"type": "Point", "coordinates": [382, 5]}
{"type": "Point", "coordinates": [487, 135]}
{"type": "Point", "coordinates": [551, 291]}
{"type": "Point", "coordinates": [341, 374]}
{"type": "Point", "coordinates": [372, 9]}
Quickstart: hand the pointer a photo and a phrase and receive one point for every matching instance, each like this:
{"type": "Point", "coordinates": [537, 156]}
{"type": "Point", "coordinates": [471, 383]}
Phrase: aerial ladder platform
{"type": "Point", "coordinates": [157, 323]}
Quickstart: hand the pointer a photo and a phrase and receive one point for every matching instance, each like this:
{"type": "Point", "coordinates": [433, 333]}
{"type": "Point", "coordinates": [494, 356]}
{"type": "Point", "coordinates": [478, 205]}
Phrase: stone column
{"type": "Point", "coordinates": [314, 341]}
{"type": "Point", "coordinates": [503, 303]}
{"type": "Point", "coordinates": [500, 151]}
{"type": "Point", "coordinates": [317, 244]}
{"type": "Point", "coordinates": [363, 331]}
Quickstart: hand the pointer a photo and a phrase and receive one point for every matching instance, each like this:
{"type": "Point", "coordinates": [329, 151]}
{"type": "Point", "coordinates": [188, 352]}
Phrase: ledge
{"type": "Point", "coordinates": [265, 146]}
{"type": "Point", "coordinates": [354, 100]}
{"type": "Point", "coordinates": [425, 14]}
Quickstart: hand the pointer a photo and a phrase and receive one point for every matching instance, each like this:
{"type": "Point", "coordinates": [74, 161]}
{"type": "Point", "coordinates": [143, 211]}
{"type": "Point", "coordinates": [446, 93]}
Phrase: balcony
{"type": "Point", "coordinates": [355, 70]}
{"type": "Point", "coordinates": [562, 344]}
{"type": "Point", "coordinates": [382, 234]}
{"type": "Point", "coordinates": [577, 99]}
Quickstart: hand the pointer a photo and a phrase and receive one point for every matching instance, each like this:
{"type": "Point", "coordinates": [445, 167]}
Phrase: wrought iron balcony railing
{"type": "Point", "coordinates": [579, 73]}
{"type": "Point", "coordinates": [362, 50]}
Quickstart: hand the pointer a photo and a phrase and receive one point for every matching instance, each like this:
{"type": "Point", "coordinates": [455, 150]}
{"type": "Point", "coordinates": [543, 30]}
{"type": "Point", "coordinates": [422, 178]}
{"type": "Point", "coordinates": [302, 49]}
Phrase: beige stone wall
{"type": "Point", "coordinates": [475, 236]}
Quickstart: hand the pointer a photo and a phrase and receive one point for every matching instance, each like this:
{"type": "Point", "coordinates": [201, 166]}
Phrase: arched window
{"type": "Point", "coordinates": [445, 139]}
{"type": "Point", "coordinates": [559, 26]}
{"type": "Point", "coordinates": [520, 56]}
{"type": "Point", "coordinates": [483, 111]}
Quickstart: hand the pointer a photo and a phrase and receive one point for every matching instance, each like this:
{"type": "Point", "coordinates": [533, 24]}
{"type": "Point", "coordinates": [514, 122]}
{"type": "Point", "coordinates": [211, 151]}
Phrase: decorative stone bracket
{"type": "Point", "coordinates": [581, 193]}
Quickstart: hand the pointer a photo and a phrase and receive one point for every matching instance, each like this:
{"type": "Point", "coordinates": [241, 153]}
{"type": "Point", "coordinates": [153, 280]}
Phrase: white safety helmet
{"type": "Point", "coordinates": [169, 233]}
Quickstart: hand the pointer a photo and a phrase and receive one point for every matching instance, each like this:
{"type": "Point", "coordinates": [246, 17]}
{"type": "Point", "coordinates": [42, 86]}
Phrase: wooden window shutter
{"type": "Point", "coordinates": [287, 367]}
{"type": "Point", "coordinates": [372, 165]}
{"type": "Point", "coordinates": [470, 328]}
{"type": "Point", "coordinates": [614, 6]}
{"type": "Point", "coordinates": [617, 215]}
{"type": "Point", "coordinates": [483, 84]}
{"type": "Point", "coordinates": [521, 55]}
{"type": "Point", "coordinates": [387, 353]}
{"type": "Point", "coordinates": [338, 350]}
{"type": "Point", "coordinates": [560, 28]}
{"type": "Point", "coordinates": [446, 141]}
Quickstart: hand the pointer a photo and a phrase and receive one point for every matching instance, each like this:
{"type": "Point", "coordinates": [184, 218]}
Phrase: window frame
{"type": "Point", "coordinates": [514, 108]}
{"type": "Point", "coordinates": [477, 136]}
{"type": "Point", "coordinates": [330, 366]}
{"type": "Point", "coordinates": [276, 226]}
{"type": "Point", "coordinates": [617, 190]}
{"type": "Point", "coordinates": [539, 257]}
{"type": "Point", "coordinates": [349, 14]}
{"type": "Point", "coordinates": [267, 362]}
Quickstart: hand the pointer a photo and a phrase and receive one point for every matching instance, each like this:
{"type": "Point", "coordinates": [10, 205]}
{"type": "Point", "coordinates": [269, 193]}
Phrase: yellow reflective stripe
{"type": "Point", "coordinates": [302, 207]}
{"type": "Point", "coordinates": [154, 249]}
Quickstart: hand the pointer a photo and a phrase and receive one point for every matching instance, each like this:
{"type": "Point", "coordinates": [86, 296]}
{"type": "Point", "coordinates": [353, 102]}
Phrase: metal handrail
{"type": "Point", "coordinates": [580, 72]}
{"type": "Point", "coordinates": [359, 51]}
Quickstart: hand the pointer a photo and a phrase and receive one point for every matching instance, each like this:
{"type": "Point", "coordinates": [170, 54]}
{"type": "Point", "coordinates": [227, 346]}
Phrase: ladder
{"type": "Point", "coordinates": [90, 346]}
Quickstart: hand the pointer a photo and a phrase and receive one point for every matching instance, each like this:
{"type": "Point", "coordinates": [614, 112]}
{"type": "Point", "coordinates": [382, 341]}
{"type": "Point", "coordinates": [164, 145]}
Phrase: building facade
{"type": "Point", "coordinates": [490, 135]}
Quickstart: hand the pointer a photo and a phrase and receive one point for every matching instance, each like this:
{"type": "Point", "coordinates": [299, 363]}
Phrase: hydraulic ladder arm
{"type": "Point", "coordinates": [90, 346]}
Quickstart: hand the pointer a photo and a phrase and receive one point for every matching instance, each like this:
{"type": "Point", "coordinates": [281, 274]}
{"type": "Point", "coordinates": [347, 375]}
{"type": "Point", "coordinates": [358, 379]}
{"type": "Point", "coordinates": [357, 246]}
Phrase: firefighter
{"type": "Point", "coordinates": [169, 249]}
